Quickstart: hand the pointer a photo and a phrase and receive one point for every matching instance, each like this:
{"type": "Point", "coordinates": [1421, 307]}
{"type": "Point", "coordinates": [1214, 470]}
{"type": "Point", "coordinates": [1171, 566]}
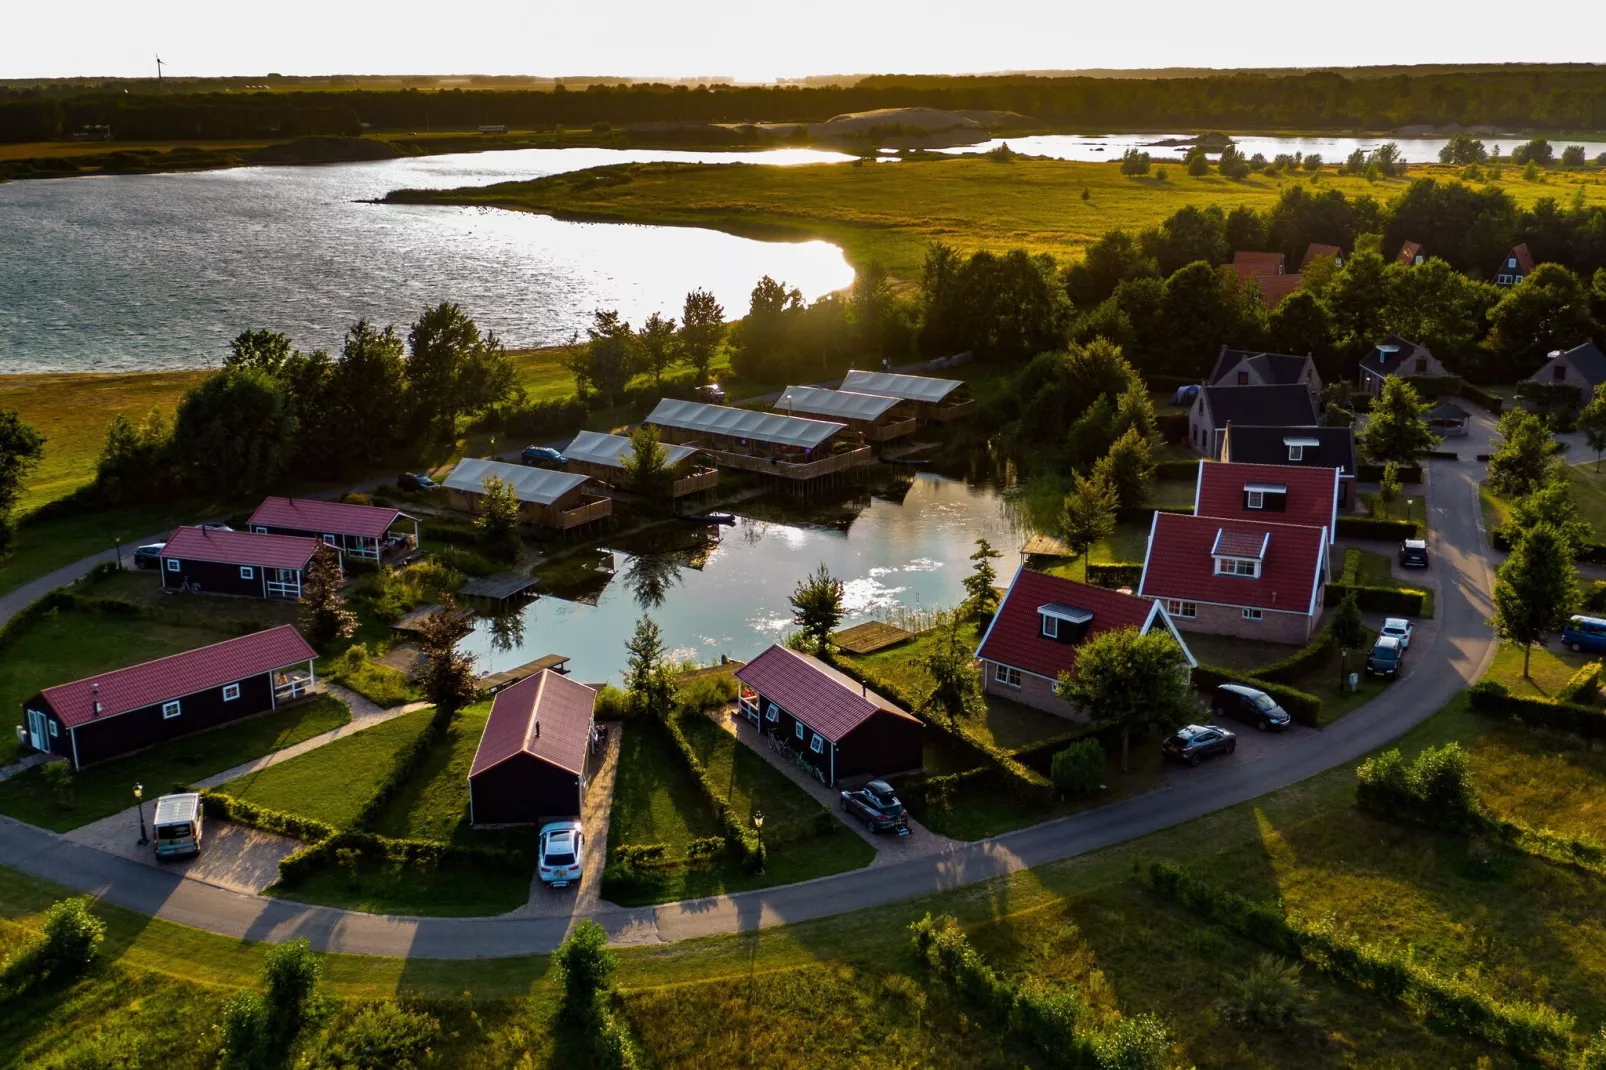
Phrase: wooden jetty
{"type": "Point", "coordinates": [413, 619]}
{"type": "Point", "coordinates": [496, 681]}
{"type": "Point", "coordinates": [497, 588]}
{"type": "Point", "coordinates": [869, 637]}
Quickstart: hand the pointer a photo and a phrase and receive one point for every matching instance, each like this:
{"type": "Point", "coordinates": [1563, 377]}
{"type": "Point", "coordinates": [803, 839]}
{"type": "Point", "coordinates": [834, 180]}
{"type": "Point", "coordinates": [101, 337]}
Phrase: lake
{"type": "Point", "coordinates": [901, 547]}
{"type": "Point", "coordinates": [1102, 147]}
{"type": "Point", "coordinates": [131, 272]}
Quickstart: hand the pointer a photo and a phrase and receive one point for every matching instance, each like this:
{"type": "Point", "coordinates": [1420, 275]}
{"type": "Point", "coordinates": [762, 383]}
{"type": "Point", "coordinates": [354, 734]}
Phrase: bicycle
{"type": "Point", "coordinates": [187, 587]}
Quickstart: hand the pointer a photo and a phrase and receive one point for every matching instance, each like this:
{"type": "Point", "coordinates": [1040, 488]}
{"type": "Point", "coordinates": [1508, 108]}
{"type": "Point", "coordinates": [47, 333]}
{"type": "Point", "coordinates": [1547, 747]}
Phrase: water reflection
{"type": "Point", "coordinates": [505, 627]}
{"type": "Point", "coordinates": [1105, 148]}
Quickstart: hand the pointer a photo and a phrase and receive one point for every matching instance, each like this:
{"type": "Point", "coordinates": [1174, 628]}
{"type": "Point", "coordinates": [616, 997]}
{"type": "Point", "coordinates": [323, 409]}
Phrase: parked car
{"type": "Point", "coordinates": [415, 481]}
{"type": "Point", "coordinates": [558, 864]}
{"type": "Point", "coordinates": [1414, 553]}
{"type": "Point", "coordinates": [214, 527]}
{"type": "Point", "coordinates": [541, 455]}
{"type": "Point", "coordinates": [149, 555]}
{"type": "Point", "coordinates": [1398, 628]}
{"type": "Point", "coordinates": [877, 805]}
{"type": "Point", "coordinates": [711, 393]}
{"type": "Point", "coordinates": [1244, 703]}
{"type": "Point", "coordinates": [1195, 742]}
{"type": "Point", "coordinates": [1585, 633]}
{"type": "Point", "coordinates": [1386, 656]}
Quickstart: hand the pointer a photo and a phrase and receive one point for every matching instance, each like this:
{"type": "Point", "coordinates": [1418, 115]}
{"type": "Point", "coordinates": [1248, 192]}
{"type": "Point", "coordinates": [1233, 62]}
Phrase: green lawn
{"type": "Point", "coordinates": [1589, 491]}
{"type": "Point", "coordinates": [105, 789]}
{"type": "Point", "coordinates": [1377, 570]}
{"type": "Point", "coordinates": [748, 781]}
{"type": "Point", "coordinates": [1549, 668]}
{"type": "Point", "coordinates": [42, 546]}
{"type": "Point", "coordinates": [331, 784]}
{"type": "Point", "coordinates": [655, 799]}
{"type": "Point", "coordinates": [1406, 507]}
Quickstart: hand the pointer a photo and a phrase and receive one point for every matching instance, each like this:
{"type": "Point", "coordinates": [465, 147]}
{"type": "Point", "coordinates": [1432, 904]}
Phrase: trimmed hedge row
{"type": "Point", "coordinates": [406, 763]}
{"type": "Point", "coordinates": [1301, 705]}
{"type": "Point", "coordinates": [1584, 682]}
{"type": "Point", "coordinates": [1529, 1030]}
{"type": "Point", "coordinates": [1177, 470]}
{"type": "Point", "coordinates": [1300, 661]}
{"type": "Point", "coordinates": [1378, 599]}
{"type": "Point", "coordinates": [1120, 574]}
{"type": "Point", "coordinates": [242, 812]}
{"type": "Point", "coordinates": [1373, 473]}
{"type": "Point", "coordinates": [1365, 527]}
{"type": "Point", "coordinates": [1491, 697]}
{"type": "Point", "coordinates": [738, 839]}
{"type": "Point", "coordinates": [420, 854]}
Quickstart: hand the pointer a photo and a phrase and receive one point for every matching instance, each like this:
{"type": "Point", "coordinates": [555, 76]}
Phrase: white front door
{"type": "Point", "coordinates": [38, 730]}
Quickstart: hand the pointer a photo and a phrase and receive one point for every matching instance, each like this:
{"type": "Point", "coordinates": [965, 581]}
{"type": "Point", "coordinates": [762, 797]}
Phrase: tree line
{"type": "Point", "coordinates": [1556, 98]}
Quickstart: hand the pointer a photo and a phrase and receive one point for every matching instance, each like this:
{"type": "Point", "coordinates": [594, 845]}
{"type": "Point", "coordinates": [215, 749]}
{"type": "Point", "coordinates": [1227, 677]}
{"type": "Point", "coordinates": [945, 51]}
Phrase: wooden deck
{"type": "Point", "coordinates": [869, 637]}
{"type": "Point", "coordinates": [496, 681]}
{"type": "Point", "coordinates": [1045, 546]}
{"type": "Point", "coordinates": [499, 587]}
{"type": "Point", "coordinates": [412, 620]}
{"type": "Point", "coordinates": [837, 462]}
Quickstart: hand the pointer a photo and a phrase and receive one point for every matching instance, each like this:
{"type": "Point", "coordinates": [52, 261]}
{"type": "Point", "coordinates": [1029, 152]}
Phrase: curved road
{"type": "Point", "coordinates": [1457, 655]}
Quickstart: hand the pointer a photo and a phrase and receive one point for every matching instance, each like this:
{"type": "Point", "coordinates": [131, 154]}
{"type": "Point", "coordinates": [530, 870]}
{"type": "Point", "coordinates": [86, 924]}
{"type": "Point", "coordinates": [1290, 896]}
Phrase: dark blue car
{"type": "Point", "coordinates": [541, 455]}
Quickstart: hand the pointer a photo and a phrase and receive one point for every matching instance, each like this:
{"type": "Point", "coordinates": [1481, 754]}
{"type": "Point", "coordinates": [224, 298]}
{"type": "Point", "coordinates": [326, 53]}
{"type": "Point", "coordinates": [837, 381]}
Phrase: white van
{"type": "Point", "coordinates": [177, 826]}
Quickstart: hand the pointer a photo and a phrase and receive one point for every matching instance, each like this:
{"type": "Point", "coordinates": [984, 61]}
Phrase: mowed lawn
{"type": "Point", "coordinates": [1549, 668]}
{"type": "Point", "coordinates": [748, 781]}
{"type": "Point", "coordinates": [655, 799]}
{"type": "Point", "coordinates": [433, 805]}
{"type": "Point", "coordinates": [1589, 491]}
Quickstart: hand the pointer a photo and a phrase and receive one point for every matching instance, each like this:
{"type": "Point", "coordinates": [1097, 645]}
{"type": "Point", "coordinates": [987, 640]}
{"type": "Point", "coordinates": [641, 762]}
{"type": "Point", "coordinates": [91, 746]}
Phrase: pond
{"type": "Point", "coordinates": [901, 546]}
{"type": "Point", "coordinates": [1332, 149]}
{"type": "Point", "coordinates": [135, 272]}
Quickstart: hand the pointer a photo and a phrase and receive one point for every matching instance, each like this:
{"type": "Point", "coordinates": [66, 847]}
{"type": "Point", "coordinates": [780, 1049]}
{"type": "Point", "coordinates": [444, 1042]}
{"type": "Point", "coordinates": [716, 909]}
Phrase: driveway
{"type": "Point", "coordinates": [586, 899]}
{"type": "Point", "coordinates": [233, 857]}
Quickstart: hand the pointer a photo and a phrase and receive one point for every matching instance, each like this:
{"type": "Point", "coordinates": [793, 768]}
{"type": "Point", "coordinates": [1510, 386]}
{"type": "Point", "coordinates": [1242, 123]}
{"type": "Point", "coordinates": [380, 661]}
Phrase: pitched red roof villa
{"type": "Point", "coordinates": [531, 762]}
{"type": "Point", "coordinates": [236, 562]}
{"type": "Point", "coordinates": [359, 530]}
{"type": "Point", "coordinates": [1039, 628]}
{"type": "Point", "coordinates": [1284, 494]}
{"type": "Point", "coordinates": [124, 710]}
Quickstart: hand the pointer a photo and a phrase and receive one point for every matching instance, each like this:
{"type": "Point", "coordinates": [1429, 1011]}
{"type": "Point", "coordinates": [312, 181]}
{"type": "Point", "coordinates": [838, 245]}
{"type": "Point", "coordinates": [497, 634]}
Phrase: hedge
{"type": "Point", "coordinates": [1301, 705]}
{"type": "Point", "coordinates": [1491, 697]}
{"type": "Point", "coordinates": [1444, 455]}
{"type": "Point", "coordinates": [1482, 397]}
{"type": "Point", "coordinates": [1302, 661]}
{"type": "Point", "coordinates": [1363, 527]}
{"type": "Point", "coordinates": [242, 812]}
{"type": "Point", "coordinates": [738, 838]}
{"type": "Point", "coordinates": [1406, 600]}
{"type": "Point", "coordinates": [1373, 473]}
{"type": "Point", "coordinates": [1177, 470]}
{"type": "Point", "coordinates": [1115, 574]}
{"type": "Point", "coordinates": [1584, 682]}
{"type": "Point", "coordinates": [420, 854]}
{"type": "Point", "coordinates": [1432, 386]}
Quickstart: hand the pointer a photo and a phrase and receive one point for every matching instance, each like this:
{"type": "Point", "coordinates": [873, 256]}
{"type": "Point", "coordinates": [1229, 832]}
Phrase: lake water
{"type": "Point", "coordinates": [1100, 147]}
{"type": "Point", "coordinates": [904, 546]}
{"type": "Point", "coordinates": [131, 272]}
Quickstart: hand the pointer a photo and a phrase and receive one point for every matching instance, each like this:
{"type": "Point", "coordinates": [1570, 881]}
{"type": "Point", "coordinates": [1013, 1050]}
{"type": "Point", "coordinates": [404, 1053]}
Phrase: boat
{"type": "Point", "coordinates": [709, 518]}
{"type": "Point", "coordinates": [906, 460]}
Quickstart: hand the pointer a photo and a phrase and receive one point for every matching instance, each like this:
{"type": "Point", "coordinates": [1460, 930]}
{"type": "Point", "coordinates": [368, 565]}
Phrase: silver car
{"type": "Point", "coordinates": [562, 845]}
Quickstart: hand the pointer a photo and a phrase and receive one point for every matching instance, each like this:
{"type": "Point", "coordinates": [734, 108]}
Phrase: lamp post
{"type": "Point", "coordinates": [758, 827]}
{"type": "Point", "coordinates": [139, 806]}
{"type": "Point", "coordinates": [1343, 668]}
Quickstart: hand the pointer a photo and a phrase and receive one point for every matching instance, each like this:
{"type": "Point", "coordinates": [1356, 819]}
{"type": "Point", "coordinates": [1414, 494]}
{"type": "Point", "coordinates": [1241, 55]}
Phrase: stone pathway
{"type": "Point", "coordinates": [579, 902]}
{"type": "Point", "coordinates": [22, 765]}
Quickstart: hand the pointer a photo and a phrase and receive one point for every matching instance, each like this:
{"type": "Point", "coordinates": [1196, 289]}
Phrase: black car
{"type": "Point", "coordinates": [1414, 553]}
{"type": "Point", "coordinates": [541, 455]}
{"type": "Point", "coordinates": [1196, 742]}
{"type": "Point", "coordinates": [149, 555]}
{"type": "Point", "coordinates": [711, 394]}
{"type": "Point", "coordinates": [415, 481]}
{"type": "Point", "coordinates": [877, 805]}
{"type": "Point", "coordinates": [1385, 658]}
{"type": "Point", "coordinates": [1244, 703]}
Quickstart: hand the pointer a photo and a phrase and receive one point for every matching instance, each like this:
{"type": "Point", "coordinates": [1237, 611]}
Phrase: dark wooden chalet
{"type": "Point", "coordinates": [841, 727]}
{"type": "Point", "coordinates": [531, 763]}
{"type": "Point", "coordinates": [124, 710]}
{"type": "Point", "coordinates": [362, 531]}
{"type": "Point", "coordinates": [237, 562]}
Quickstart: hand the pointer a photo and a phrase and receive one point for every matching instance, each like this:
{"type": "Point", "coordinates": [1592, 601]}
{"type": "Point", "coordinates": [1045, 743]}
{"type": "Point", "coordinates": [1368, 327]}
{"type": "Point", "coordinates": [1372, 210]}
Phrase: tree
{"type": "Point", "coordinates": [324, 616]}
{"type": "Point", "coordinates": [873, 307]}
{"type": "Point", "coordinates": [135, 462]}
{"type": "Point", "coordinates": [955, 680]}
{"type": "Point", "coordinates": [1537, 151]}
{"type": "Point", "coordinates": [608, 359]}
{"type": "Point", "coordinates": [367, 408]}
{"type": "Point", "coordinates": [1233, 164]}
{"type": "Point", "coordinates": [1132, 679]}
{"type": "Point", "coordinates": [1397, 429]}
{"type": "Point", "coordinates": [1389, 487]}
{"type": "Point", "coordinates": [1535, 590]}
{"type": "Point", "coordinates": [1463, 149]}
{"type": "Point", "coordinates": [291, 972]}
{"type": "Point", "coordinates": [1198, 164]}
{"type": "Point", "coordinates": [646, 466]}
{"type": "Point", "coordinates": [1356, 299]}
{"type": "Point", "coordinates": [1552, 502]}
{"type": "Point", "coordinates": [57, 775]}
{"type": "Point", "coordinates": [647, 677]}
{"type": "Point", "coordinates": [1134, 163]}
{"type": "Point", "coordinates": [1128, 468]}
{"type": "Point", "coordinates": [1300, 324]}
{"type": "Point", "coordinates": [447, 678]}
{"type": "Point", "coordinates": [1549, 310]}
{"type": "Point", "coordinates": [1572, 156]}
{"type": "Point", "coordinates": [1089, 513]}
{"type": "Point", "coordinates": [451, 370]}
{"type": "Point", "coordinates": [235, 432]}
{"type": "Point", "coordinates": [1134, 411]}
{"type": "Point", "coordinates": [265, 350]}
{"type": "Point", "coordinates": [22, 447]}
{"type": "Point", "coordinates": [1349, 626]}
{"type": "Point", "coordinates": [1592, 422]}
{"type": "Point", "coordinates": [981, 596]}
{"type": "Point", "coordinates": [1521, 460]}
{"type": "Point", "coordinates": [1205, 308]}
{"type": "Point", "coordinates": [817, 606]}
{"type": "Point", "coordinates": [657, 337]}
{"type": "Point", "coordinates": [761, 340]}
{"type": "Point", "coordinates": [498, 519]}
{"type": "Point", "coordinates": [585, 967]}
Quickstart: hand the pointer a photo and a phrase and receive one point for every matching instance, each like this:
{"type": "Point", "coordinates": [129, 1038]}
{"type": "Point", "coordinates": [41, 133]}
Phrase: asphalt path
{"type": "Point", "coordinates": [1456, 655]}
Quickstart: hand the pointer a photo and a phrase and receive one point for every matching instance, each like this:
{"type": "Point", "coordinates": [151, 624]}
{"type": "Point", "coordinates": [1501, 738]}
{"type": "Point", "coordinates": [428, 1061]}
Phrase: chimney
{"type": "Point", "coordinates": [538, 728]}
{"type": "Point", "coordinates": [94, 690]}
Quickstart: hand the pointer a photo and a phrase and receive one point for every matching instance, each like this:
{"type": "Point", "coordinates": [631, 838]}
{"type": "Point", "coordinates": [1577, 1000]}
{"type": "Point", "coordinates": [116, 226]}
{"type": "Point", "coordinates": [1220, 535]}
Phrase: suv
{"type": "Point", "coordinates": [415, 481]}
{"type": "Point", "coordinates": [877, 805]}
{"type": "Point", "coordinates": [1244, 703]}
{"type": "Point", "coordinates": [541, 455]}
{"type": "Point", "coordinates": [558, 863]}
{"type": "Point", "coordinates": [1386, 656]}
{"type": "Point", "coordinates": [149, 555]}
{"type": "Point", "coordinates": [1398, 628]}
{"type": "Point", "coordinates": [1196, 742]}
{"type": "Point", "coordinates": [1414, 553]}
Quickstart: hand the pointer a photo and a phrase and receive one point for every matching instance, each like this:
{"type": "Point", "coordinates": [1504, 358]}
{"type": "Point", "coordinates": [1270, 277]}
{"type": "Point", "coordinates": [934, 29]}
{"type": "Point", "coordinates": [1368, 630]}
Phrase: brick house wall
{"type": "Point", "coordinates": [1034, 691]}
{"type": "Point", "coordinates": [1273, 627]}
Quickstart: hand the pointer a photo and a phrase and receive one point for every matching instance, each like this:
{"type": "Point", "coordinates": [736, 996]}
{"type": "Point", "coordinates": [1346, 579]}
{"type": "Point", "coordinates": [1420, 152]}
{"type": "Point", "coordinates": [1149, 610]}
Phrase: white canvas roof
{"type": "Point", "coordinates": [908, 387]}
{"type": "Point", "coordinates": [743, 423]}
{"type": "Point", "coordinates": [540, 486]}
{"type": "Point", "coordinates": [595, 447]}
{"type": "Point", "coordinates": [840, 404]}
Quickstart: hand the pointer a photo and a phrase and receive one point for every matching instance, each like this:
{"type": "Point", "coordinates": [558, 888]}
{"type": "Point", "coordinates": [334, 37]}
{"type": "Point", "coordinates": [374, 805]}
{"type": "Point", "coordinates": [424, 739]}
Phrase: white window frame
{"type": "Point", "coordinates": [817, 744]}
{"type": "Point", "coordinates": [247, 572]}
{"type": "Point", "coordinates": [1234, 566]}
{"type": "Point", "coordinates": [1511, 262]}
{"type": "Point", "coordinates": [174, 564]}
{"type": "Point", "coordinates": [1180, 607]}
{"type": "Point", "coordinates": [772, 713]}
{"type": "Point", "coordinates": [797, 729]}
{"type": "Point", "coordinates": [1296, 453]}
{"type": "Point", "coordinates": [1007, 675]}
{"type": "Point", "coordinates": [231, 692]}
{"type": "Point", "coordinates": [1515, 279]}
{"type": "Point", "coordinates": [1253, 614]}
{"type": "Point", "coordinates": [1255, 499]}
{"type": "Point", "coordinates": [171, 710]}
{"type": "Point", "coordinates": [329, 540]}
{"type": "Point", "coordinates": [54, 730]}
{"type": "Point", "coordinates": [1503, 280]}
{"type": "Point", "coordinates": [259, 529]}
{"type": "Point", "coordinates": [1050, 626]}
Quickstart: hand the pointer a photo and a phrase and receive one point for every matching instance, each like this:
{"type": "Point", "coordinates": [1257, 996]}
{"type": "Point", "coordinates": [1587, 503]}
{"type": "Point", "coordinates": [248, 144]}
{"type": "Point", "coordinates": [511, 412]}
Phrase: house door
{"type": "Point", "coordinates": [38, 730]}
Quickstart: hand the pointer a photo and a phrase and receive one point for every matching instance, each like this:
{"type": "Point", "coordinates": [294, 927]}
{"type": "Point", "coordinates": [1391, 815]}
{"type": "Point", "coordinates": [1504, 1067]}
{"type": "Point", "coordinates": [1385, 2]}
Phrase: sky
{"type": "Point", "coordinates": [755, 40]}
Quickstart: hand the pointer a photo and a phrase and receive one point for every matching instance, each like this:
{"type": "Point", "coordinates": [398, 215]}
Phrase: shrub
{"type": "Point", "coordinates": [1138, 1043]}
{"type": "Point", "coordinates": [291, 972]}
{"type": "Point", "coordinates": [466, 561]}
{"type": "Point", "coordinates": [379, 1036]}
{"type": "Point", "coordinates": [1079, 768]}
{"type": "Point", "coordinates": [1361, 527]}
{"type": "Point", "coordinates": [245, 1041]}
{"type": "Point", "coordinates": [613, 704]}
{"type": "Point", "coordinates": [71, 940]}
{"type": "Point", "coordinates": [1582, 684]}
{"type": "Point", "coordinates": [1436, 789]}
{"type": "Point", "coordinates": [1267, 995]}
{"type": "Point", "coordinates": [707, 690]}
{"type": "Point", "coordinates": [585, 966]}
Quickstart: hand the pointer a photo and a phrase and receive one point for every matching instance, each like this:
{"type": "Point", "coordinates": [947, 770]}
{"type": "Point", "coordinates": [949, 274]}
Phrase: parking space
{"type": "Point", "coordinates": [583, 899]}
{"type": "Point", "coordinates": [232, 856]}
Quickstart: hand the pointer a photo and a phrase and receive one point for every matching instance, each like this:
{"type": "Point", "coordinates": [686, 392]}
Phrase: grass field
{"type": "Point", "coordinates": [1549, 668]}
{"type": "Point", "coordinates": [891, 213]}
{"type": "Point", "coordinates": [1589, 491]}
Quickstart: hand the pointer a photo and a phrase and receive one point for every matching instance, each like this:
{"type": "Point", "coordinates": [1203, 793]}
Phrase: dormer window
{"type": "Point", "coordinates": [1243, 378]}
{"type": "Point", "coordinates": [1063, 623]}
{"type": "Point", "coordinates": [1296, 453]}
{"type": "Point", "coordinates": [1240, 553]}
{"type": "Point", "coordinates": [1298, 446]}
{"type": "Point", "coordinates": [1271, 497]}
{"type": "Point", "coordinates": [1512, 262]}
{"type": "Point", "coordinates": [1238, 566]}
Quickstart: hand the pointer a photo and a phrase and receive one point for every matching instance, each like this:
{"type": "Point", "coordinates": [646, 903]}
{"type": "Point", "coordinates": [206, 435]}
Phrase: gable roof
{"type": "Point", "coordinates": [333, 518]}
{"type": "Point", "coordinates": [1250, 264]}
{"type": "Point", "coordinates": [137, 686]}
{"type": "Point", "coordinates": [894, 385]}
{"type": "Point", "coordinates": [611, 451]}
{"type": "Point", "coordinates": [1408, 253]}
{"type": "Point", "coordinates": [240, 548]}
{"type": "Point", "coordinates": [547, 716]}
{"type": "Point", "coordinates": [1586, 359]}
{"type": "Point", "coordinates": [1179, 563]}
{"type": "Point", "coordinates": [1273, 288]}
{"type": "Point", "coordinates": [1389, 356]}
{"type": "Point", "coordinates": [1273, 368]}
{"type": "Point", "coordinates": [1448, 410]}
{"type": "Point", "coordinates": [828, 701]}
{"type": "Point", "coordinates": [1015, 636]}
{"type": "Point", "coordinates": [836, 404]}
{"type": "Point", "coordinates": [1525, 259]}
{"type": "Point", "coordinates": [1287, 404]}
{"type": "Point", "coordinates": [1254, 444]}
{"type": "Point", "coordinates": [539, 486]}
{"type": "Point", "coordinates": [1312, 492]}
{"type": "Point", "coordinates": [1316, 250]}
{"type": "Point", "coordinates": [743, 423]}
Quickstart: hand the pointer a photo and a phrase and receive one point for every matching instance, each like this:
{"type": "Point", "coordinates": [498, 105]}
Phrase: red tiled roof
{"type": "Point", "coordinates": [1408, 252]}
{"type": "Point", "coordinates": [1311, 492]}
{"type": "Point", "coordinates": [1316, 250]}
{"type": "Point", "coordinates": [1240, 543]}
{"type": "Point", "coordinates": [545, 715]}
{"type": "Point", "coordinates": [240, 548]}
{"type": "Point", "coordinates": [1525, 259]}
{"type": "Point", "coordinates": [1273, 288]}
{"type": "Point", "coordinates": [1179, 563]}
{"type": "Point", "coordinates": [1015, 636]}
{"type": "Point", "coordinates": [1248, 265]}
{"type": "Point", "coordinates": [830, 702]}
{"type": "Point", "coordinates": [177, 675]}
{"type": "Point", "coordinates": [332, 518]}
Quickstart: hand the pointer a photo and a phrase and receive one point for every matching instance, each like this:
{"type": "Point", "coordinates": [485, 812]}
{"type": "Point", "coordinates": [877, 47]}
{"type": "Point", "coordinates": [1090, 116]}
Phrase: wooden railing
{"type": "Point", "coordinates": [944, 413]}
{"type": "Point", "coordinates": [887, 432]}
{"type": "Point", "coordinates": [702, 479]}
{"type": "Point", "coordinates": [565, 519]}
{"type": "Point", "coordinates": [836, 462]}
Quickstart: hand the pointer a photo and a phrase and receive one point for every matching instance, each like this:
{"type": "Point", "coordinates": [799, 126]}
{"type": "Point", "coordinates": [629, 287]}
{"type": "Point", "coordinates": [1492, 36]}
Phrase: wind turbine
{"type": "Point", "coordinates": [158, 68]}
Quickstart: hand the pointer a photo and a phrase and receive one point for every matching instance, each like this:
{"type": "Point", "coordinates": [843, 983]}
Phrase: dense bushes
{"type": "Point", "coordinates": [71, 941]}
{"type": "Point", "coordinates": [1364, 527]}
{"type": "Point", "coordinates": [585, 968]}
{"type": "Point", "coordinates": [1582, 684]}
{"type": "Point", "coordinates": [1301, 661]}
{"type": "Point", "coordinates": [1434, 790]}
{"type": "Point", "coordinates": [1491, 697]}
{"type": "Point", "coordinates": [1079, 768]}
{"type": "Point", "coordinates": [241, 812]}
{"type": "Point", "coordinates": [375, 1036]}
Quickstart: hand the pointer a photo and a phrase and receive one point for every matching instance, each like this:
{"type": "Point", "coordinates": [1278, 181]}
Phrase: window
{"type": "Point", "coordinates": [797, 728]}
{"type": "Point", "coordinates": [816, 744]}
{"type": "Point", "coordinates": [259, 529]}
{"type": "Point", "coordinates": [1051, 626]}
{"type": "Point", "coordinates": [1251, 614]}
{"type": "Point", "coordinates": [172, 564]}
{"type": "Point", "coordinates": [328, 540]}
{"type": "Point", "coordinates": [1255, 499]}
{"type": "Point", "coordinates": [1296, 453]}
{"type": "Point", "coordinates": [1421, 365]}
{"type": "Point", "coordinates": [1511, 262]}
{"type": "Point", "coordinates": [1243, 378]}
{"type": "Point", "coordinates": [1237, 566]}
{"type": "Point", "coordinates": [1009, 677]}
{"type": "Point", "coordinates": [773, 713]}
{"type": "Point", "coordinates": [231, 692]}
{"type": "Point", "coordinates": [1516, 279]}
{"type": "Point", "coordinates": [1178, 608]}
{"type": "Point", "coordinates": [1560, 372]}
{"type": "Point", "coordinates": [1503, 280]}
{"type": "Point", "coordinates": [247, 572]}
{"type": "Point", "coordinates": [54, 730]}
{"type": "Point", "coordinates": [170, 710]}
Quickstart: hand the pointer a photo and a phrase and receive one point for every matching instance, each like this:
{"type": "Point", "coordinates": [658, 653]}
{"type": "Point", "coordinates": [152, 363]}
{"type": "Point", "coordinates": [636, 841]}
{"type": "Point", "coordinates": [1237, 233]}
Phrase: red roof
{"type": "Point", "coordinates": [1273, 288]}
{"type": "Point", "coordinates": [830, 702]}
{"type": "Point", "coordinates": [240, 548]}
{"type": "Point", "coordinates": [1408, 252]}
{"type": "Point", "coordinates": [138, 686]}
{"type": "Point", "coordinates": [1525, 259]}
{"type": "Point", "coordinates": [325, 518]}
{"type": "Point", "coordinates": [1248, 265]}
{"type": "Point", "coordinates": [1015, 637]}
{"type": "Point", "coordinates": [1312, 492]}
{"type": "Point", "coordinates": [1316, 250]}
{"type": "Point", "coordinates": [1179, 563]}
{"type": "Point", "coordinates": [546, 715]}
